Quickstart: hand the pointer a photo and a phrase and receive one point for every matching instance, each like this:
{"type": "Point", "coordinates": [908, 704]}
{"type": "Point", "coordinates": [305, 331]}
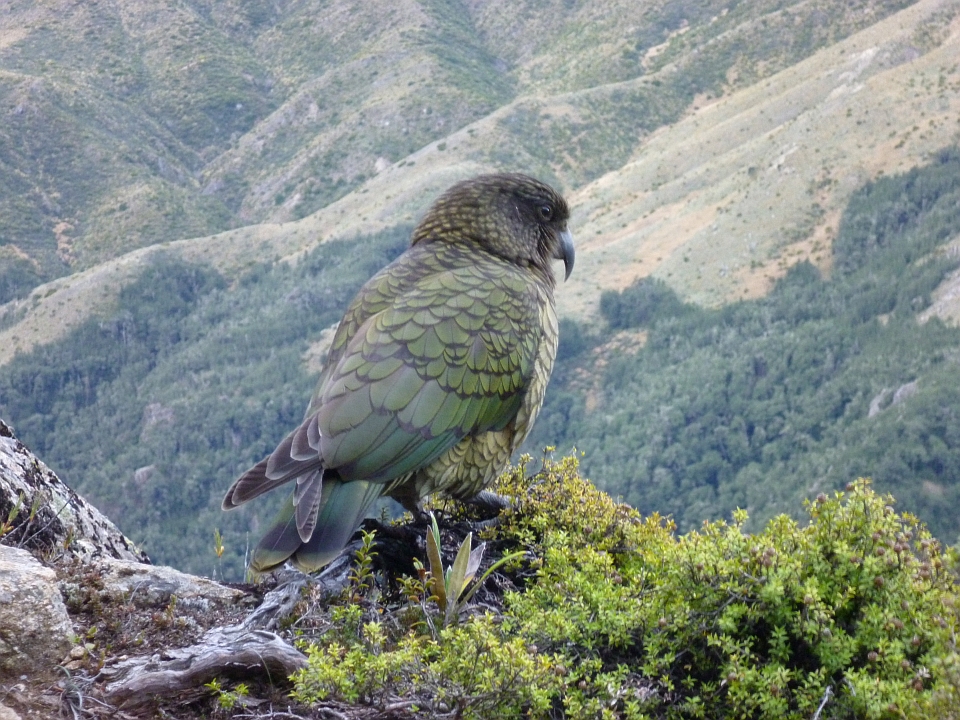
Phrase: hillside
{"type": "Point", "coordinates": [696, 188]}
{"type": "Point", "coordinates": [712, 147]}
{"type": "Point", "coordinates": [761, 403]}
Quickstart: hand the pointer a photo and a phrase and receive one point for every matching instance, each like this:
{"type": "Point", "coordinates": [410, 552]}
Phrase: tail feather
{"type": "Point", "coordinates": [342, 508]}
{"type": "Point", "coordinates": [252, 483]}
{"type": "Point", "coordinates": [281, 466]}
{"type": "Point", "coordinates": [279, 543]}
{"type": "Point", "coordinates": [341, 513]}
{"type": "Point", "coordinates": [307, 497]}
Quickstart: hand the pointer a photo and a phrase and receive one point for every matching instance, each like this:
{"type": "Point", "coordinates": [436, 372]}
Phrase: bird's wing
{"type": "Point", "coordinates": [298, 454]}
{"type": "Point", "coordinates": [449, 357]}
{"type": "Point", "coordinates": [377, 294]}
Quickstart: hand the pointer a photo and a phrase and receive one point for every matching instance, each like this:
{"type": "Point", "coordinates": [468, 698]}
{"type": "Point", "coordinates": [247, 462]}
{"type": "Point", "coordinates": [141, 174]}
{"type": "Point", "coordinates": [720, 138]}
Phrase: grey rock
{"type": "Point", "coordinates": [49, 517]}
{"type": "Point", "coordinates": [904, 392]}
{"type": "Point", "coordinates": [35, 630]}
{"type": "Point", "coordinates": [155, 585]}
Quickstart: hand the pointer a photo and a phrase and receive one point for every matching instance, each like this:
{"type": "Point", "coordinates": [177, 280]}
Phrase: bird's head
{"type": "Point", "coordinates": [510, 215]}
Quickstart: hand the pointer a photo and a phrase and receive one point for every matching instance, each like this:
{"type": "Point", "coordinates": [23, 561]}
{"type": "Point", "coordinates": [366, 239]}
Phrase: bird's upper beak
{"type": "Point", "coordinates": [566, 253]}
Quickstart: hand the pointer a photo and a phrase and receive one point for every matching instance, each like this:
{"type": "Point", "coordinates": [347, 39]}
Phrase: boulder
{"type": "Point", "coordinates": [155, 585]}
{"type": "Point", "coordinates": [35, 630]}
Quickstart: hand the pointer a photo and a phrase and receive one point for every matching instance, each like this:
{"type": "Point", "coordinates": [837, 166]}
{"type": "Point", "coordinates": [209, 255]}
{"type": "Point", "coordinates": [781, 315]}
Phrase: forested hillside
{"type": "Point", "coordinates": [153, 411]}
{"type": "Point", "coordinates": [763, 402]}
{"type": "Point", "coordinates": [772, 171]}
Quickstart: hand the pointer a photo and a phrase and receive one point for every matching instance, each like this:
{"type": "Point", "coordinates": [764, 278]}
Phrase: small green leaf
{"type": "Point", "coordinates": [436, 564]}
{"type": "Point", "coordinates": [457, 578]}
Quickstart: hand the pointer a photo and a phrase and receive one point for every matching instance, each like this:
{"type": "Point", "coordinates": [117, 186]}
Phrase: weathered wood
{"type": "Point", "coordinates": [230, 652]}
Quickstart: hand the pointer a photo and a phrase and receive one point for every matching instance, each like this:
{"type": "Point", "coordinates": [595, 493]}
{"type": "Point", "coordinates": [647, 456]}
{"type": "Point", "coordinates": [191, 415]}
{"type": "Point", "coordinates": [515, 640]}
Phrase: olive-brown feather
{"type": "Point", "coordinates": [435, 374]}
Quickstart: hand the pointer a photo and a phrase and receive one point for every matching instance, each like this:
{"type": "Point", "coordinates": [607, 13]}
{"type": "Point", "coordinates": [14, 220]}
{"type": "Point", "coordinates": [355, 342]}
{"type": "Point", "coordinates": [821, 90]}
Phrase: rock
{"type": "Point", "coordinates": [7, 713]}
{"type": "Point", "coordinates": [904, 392]}
{"type": "Point", "coordinates": [102, 570]}
{"type": "Point", "coordinates": [155, 585]}
{"type": "Point", "coordinates": [884, 399]}
{"type": "Point", "coordinates": [63, 521]}
{"type": "Point", "coordinates": [35, 630]}
{"type": "Point", "coordinates": [879, 402]}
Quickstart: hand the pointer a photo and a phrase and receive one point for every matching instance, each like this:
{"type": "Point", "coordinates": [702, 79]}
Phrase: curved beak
{"type": "Point", "coordinates": [566, 253]}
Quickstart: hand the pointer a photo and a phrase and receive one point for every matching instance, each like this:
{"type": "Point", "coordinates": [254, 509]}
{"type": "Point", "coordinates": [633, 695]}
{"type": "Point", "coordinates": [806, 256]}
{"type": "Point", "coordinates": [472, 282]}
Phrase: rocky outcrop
{"type": "Point", "coordinates": [40, 513]}
{"type": "Point", "coordinates": [149, 586]}
{"type": "Point", "coordinates": [72, 585]}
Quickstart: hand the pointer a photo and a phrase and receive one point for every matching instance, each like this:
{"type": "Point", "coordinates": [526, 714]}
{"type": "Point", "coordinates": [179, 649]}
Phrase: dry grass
{"type": "Point", "coordinates": [11, 36]}
{"type": "Point", "coordinates": [775, 162]}
{"type": "Point", "coordinates": [718, 204]}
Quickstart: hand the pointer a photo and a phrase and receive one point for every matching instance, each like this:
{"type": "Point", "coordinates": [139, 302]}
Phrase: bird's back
{"type": "Point", "coordinates": [435, 374]}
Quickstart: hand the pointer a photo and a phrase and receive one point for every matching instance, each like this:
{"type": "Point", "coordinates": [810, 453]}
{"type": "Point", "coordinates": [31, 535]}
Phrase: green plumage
{"type": "Point", "coordinates": [435, 373]}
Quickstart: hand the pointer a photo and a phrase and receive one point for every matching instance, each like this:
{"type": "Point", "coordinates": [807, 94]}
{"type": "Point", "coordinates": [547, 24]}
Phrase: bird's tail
{"type": "Point", "coordinates": [342, 508]}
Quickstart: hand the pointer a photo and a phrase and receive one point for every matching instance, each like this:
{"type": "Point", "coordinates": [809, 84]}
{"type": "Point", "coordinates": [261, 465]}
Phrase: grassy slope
{"type": "Point", "coordinates": [721, 203]}
{"type": "Point", "coordinates": [115, 106]}
{"type": "Point", "coordinates": [135, 123]}
{"type": "Point", "coordinates": [704, 188]}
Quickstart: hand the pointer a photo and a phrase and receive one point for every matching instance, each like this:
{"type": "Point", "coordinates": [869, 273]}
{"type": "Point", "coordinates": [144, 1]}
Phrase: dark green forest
{"type": "Point", "coordinates": [153, 411]}
{"type": "Point", "coordinates": [761, 403]}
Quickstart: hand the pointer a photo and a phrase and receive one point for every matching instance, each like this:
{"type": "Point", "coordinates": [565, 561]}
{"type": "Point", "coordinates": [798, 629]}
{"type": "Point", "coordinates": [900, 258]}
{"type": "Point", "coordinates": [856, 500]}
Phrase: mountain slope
{"type": "Point", "coordinates": [133, 123]}
{"type": "Point", "coordinates": [811, 133]}
{"type": "Point", "coordinates": [721, 203]}
{"type": "Point", "coordinates": [712, 150]}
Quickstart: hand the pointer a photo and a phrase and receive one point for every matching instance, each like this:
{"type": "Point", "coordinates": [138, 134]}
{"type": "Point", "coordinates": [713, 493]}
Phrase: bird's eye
{"type": "Point", "coordinates": [546, 212]}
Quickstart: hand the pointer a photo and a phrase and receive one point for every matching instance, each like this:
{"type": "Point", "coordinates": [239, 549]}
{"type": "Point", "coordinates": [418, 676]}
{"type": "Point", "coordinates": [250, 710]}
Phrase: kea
{"type": "Point", "coordinates": [435, 375]}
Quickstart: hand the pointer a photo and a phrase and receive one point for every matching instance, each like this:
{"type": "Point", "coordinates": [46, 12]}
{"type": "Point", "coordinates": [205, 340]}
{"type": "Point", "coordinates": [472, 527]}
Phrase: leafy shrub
{"type": "Point", "coordinates": [469, 671]}
{"type": "Point", "coordinates": [735, 625]}
{"type": "Point", "coordinates": [617, 616]}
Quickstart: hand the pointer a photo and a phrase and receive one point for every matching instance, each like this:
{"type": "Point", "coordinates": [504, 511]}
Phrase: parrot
{"type": "Point", "coordinates": [435, 374]}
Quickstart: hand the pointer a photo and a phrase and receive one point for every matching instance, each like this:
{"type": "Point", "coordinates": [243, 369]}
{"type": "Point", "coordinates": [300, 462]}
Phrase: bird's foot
{"type": "Point", "coordinates": [489, 505]}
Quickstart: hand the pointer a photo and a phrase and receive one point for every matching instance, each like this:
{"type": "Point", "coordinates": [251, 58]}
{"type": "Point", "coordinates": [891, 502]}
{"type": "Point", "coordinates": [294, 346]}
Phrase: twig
{"type": "Point", "coordinates": [276, 714]}
{"type": "Point", "coordinates": [402, 705]}
{"type": "Point", "coordinates": [330, 712]}
{"type": "Point", "coordinates": [823, 703]}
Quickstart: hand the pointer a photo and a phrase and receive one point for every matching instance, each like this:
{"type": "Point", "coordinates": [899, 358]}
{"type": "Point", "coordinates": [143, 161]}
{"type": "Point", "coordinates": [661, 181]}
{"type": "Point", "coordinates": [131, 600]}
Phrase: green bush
{"type": "Point", "coordinates": [617, 616]}
{"type": "Point", "coordinates": [469, 671]}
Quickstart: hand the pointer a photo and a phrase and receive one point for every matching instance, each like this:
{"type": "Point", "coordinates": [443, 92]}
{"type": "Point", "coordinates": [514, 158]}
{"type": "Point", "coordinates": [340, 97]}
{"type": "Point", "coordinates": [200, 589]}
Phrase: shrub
{"type": "Point", "coordinates": [850, 616]}
{"type": "Point", "coordinates": [470, 670]}
{"type": "Point", "coordinates": [727, 624]}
